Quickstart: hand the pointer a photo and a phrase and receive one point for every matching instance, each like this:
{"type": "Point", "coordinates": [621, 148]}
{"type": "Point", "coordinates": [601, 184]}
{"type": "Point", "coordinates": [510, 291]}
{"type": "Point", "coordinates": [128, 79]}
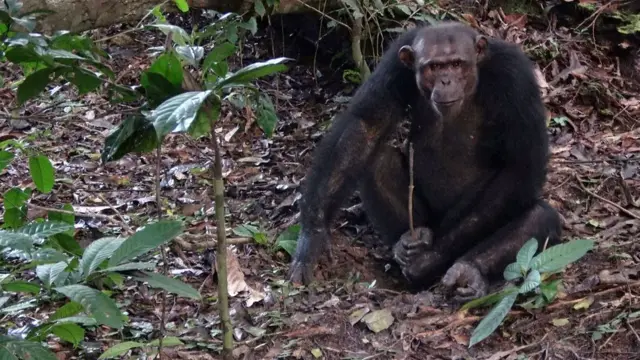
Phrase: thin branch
{"type": "Point", "coordinates": [619, 207]}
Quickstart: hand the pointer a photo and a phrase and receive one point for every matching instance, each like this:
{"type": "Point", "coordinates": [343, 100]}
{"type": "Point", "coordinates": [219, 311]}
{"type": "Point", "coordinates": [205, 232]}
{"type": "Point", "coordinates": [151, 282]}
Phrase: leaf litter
{"type": "Point", "coordinates": [358, 308]}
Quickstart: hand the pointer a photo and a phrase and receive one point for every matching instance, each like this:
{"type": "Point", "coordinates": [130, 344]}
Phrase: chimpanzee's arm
{"type": "Point", "coordinates": [345, 151]}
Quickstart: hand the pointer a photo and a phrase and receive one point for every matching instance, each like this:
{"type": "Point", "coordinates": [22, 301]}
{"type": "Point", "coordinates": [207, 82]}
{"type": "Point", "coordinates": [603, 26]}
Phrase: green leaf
{"type": "Point", "coordinates": [14, 218]}
{"type": "Point", "coordinates": [44, 229]}
{"type": "Point", "coordinates": [120, 349]}
{"type": "Point", "coordinates": [34, 84]}
{"type": "Point", "coordinates": [135, 134]}
{"type": "Point", "coordinates": [15, 198]}
{"type": "Point", "coordinates": [158, 88]}
{"type": "Point", "coordinates": [167, 341]}
{"type": "Point", "coordinates": [207, 116]}
{"type": "Point", "coordinates": [16, 241]}
{"type": "Point", "coordinates": [246, 230]}
{"type": "Point", "coordinates": [288, 240]}
{"type": "Point", "coordinates": [22, 287]}
{"type": "Point", "coordinates": [493, 319]}
{"type": "Point", "coordinates": [71, 308]}
{"type": "Point", "coordinates": [52, 274]}
{"type": "Point", "coordinates": [180, 36]}
{"type": "Point", "coordinates": [171, 285]}
{"type": "Point", "coordinates": [267, 117]}
{"type": "Point", "coordinates": [191, 54]}
{"type": "Point", "coordinates": [177, 113]}
{"type": "Point", "coordinates": [182, 5]}
{"type": "Point", "coordinates": [531, 282]}
{"type": "Point", "coordinates": [150, 237]}
{"type": "Point", "coordinates": [259, 8]}
{"type": "Point", "coordinates": [254, 71]}
{"type": "Point", "coordinates": [251, 25]}
{"type": "Point", "coordinates": [5, 159]}
{"type": "Point", "coordinates": [68, 243]}
{"type": "Point", "coordinates": [550, 290]}
{"type": "Point", "coordinates": [96, 303]}
{"type": "Point", "coordinates": [513, 271]}
{"type": "Point", "coordinates": [69, 332]}
{"type": "Point", "coordinates": [97, 252]}
{"type": "Point", "coordinates": [557, 257]}
{"type": "Point", "coordinates": [84, 80]}
{"type": "Point", "coordinates": [70, 219]}
{"type": "Point", "coordinates": [168, 65]}
{"type": "Point", "coordinates": [526, 253]}
{"type": "Point", "coordinates": [11, 348]}
{"type": "Point", "coordinates": [217, 54]}
{"type": "Point", "coordinates": [131, 266]}
{"type": "Point", "coordinates": [22, 54]}
{"type": "Point", "coordinates": [42, 173]}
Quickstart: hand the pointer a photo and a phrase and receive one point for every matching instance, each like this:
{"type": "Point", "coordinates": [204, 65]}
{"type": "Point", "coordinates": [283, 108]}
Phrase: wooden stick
{"type": "Point", "coordinates": [413, 233]}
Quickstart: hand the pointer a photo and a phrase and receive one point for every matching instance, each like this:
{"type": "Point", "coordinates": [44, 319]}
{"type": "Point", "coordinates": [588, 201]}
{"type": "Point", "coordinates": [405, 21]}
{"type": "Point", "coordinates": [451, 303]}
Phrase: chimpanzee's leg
{"type": "Point", "coordinates": [385, 192]}
{"type": "Point", "coordinates": [489, 257]}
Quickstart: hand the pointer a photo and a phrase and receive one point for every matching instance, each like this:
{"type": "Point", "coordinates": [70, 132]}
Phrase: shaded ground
{"type": "Point", "coordinates": [593, 117]}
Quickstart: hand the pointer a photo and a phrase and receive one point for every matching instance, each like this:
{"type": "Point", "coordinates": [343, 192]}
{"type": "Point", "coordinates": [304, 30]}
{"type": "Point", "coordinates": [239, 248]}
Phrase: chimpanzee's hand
{"type": "Point", "coordinates": [310, 244]}
{"type": "Point", "coordinates": [407, 250]}
{"type": "Point", "coordinates": [470, 281]}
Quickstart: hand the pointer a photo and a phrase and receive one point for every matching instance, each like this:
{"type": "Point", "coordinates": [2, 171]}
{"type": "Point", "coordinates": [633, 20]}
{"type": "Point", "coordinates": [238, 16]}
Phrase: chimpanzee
{"type": "Point", "coordinates": [479, 134]}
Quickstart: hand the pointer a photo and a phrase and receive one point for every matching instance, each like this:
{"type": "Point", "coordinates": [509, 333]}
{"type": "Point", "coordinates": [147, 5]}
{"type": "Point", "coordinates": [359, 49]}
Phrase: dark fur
{"type": "Point", "coordinates": [484, 223]}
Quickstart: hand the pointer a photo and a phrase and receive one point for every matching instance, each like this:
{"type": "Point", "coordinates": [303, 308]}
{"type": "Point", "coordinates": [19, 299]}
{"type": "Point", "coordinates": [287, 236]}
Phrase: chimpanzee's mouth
{"type": "Point", "coordinates": [446, 103]}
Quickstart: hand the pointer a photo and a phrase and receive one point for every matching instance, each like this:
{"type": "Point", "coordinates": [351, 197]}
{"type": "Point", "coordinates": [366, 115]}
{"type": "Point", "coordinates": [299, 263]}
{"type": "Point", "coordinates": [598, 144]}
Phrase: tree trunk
{"type": "Point", "coordinates": [80, 15]}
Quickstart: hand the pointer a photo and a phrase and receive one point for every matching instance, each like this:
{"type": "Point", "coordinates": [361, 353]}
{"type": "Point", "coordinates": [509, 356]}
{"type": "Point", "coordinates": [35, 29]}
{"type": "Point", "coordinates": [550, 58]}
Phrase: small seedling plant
{"type": "Point", "coordinates": [535, 275]}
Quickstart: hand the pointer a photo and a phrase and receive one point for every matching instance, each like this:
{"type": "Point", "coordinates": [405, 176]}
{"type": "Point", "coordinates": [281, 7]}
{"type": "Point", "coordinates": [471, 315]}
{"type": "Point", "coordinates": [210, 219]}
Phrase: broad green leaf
{"type": "Point", "coordinates": [493, 319]}
{"type": "Point", "coordinates": [167, 341]}
{"type": "Point", "coordinates": [259, 8]}
{"type": "Point", "coordinates": [550, 290]}
{"type": "Point", "coordinates": [5, 159]}
{"type": "Point", "coordinates": [120, 349]}
{"type": "Point", "coordinates": [150, 237]}
{"type": "Point", "coordinates": [191, 54]}
{"type": "Point", "coordinates": [34, 84]}
{"type": "Point", "coordinates": [266, 116]}
{"type": "Point", "coordinates": [557, 257]}
{"type": "Point", "coordinates": [131, 266]}
{"type": "Point", "coordinates": [157, 88]}
{"type": "Point", "coordinates": [207, 116]}
{"type": "Point", "coordinates": [52, 274]}
{"type": "Point", "coordinates": [22, 54]}
{"type": "Point", "coordinates": [246, 230]}
{"type": "Point", "coordinates": [513, 271]}
{"type": "Point", "coordinates": [179, 35]}
{"type": "Point", "coordinates": [69, 332]}
{"type": "Point", "coordinates": [182, 5]}
{"type": "Point", "coordinates": [95, 303]}
{"type": "Point", "coordinates": [168, 65]}
{"type": "Point", "coordinates": [531, 282]}
{"type": "Point", "coordinates": [177, 113]}
{"type": "Point", "coordinates": [97, 252]}
{"type": "Point", "coordinates": [14, 218]}
{"type": "Point", "coordinates": [171, 285]}
{"type": "Point", "coordinates": [64, 55]}
{"type": "Point", "coordinates": [254, 71]}
{"type": "Point", "coordinates": [42, 173]}
{"type": "Point", "coordinates": [68, 243]}
{"type": "Point", "coordinates": [22, 287]}
{"type": "Point", "coordinates": [288, 240]}
{"type": "Point", "coordinates": [47, 255]}
{"type": "Point", "coordinates": [526, 253]}
{"type": "Point", "coordinates": [67, 310]}
{"type": "Point", "coordinates": [45, 229]}
{"type": "Point", "coordinates": [12, 348]}
{"type": "Point", "coordinates": [15, 241]}
{"type": "Point", "coordinates": [84, 80]}
{"type": "Point", "coordinates": [63, 217]}
{"type": "Point", "coordinates": [135, 134]}
{"type": "Point", "coordinates": [251, 25]}
{"type": "Point", "coordinates": [15, 198]}
{"type": "Point", "coordinates": [217, 54]}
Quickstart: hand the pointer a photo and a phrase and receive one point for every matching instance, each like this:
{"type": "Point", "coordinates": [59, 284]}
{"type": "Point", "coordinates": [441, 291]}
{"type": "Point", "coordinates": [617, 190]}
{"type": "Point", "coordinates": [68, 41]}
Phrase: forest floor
{"type": "Point", "coordinates": [594, 182]}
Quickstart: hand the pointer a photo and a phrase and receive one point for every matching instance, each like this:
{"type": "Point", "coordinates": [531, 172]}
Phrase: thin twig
{"type": "Point", "coordinates": [619, 207]}
{"type": "Point", "coordinates": [124, 223]}
{"type": "Point", "coordinates": [68, 212]}
{"type": "Point", "coordinates": [323, 14]}
{"type": "Point", "coordinates": [413, 233]}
